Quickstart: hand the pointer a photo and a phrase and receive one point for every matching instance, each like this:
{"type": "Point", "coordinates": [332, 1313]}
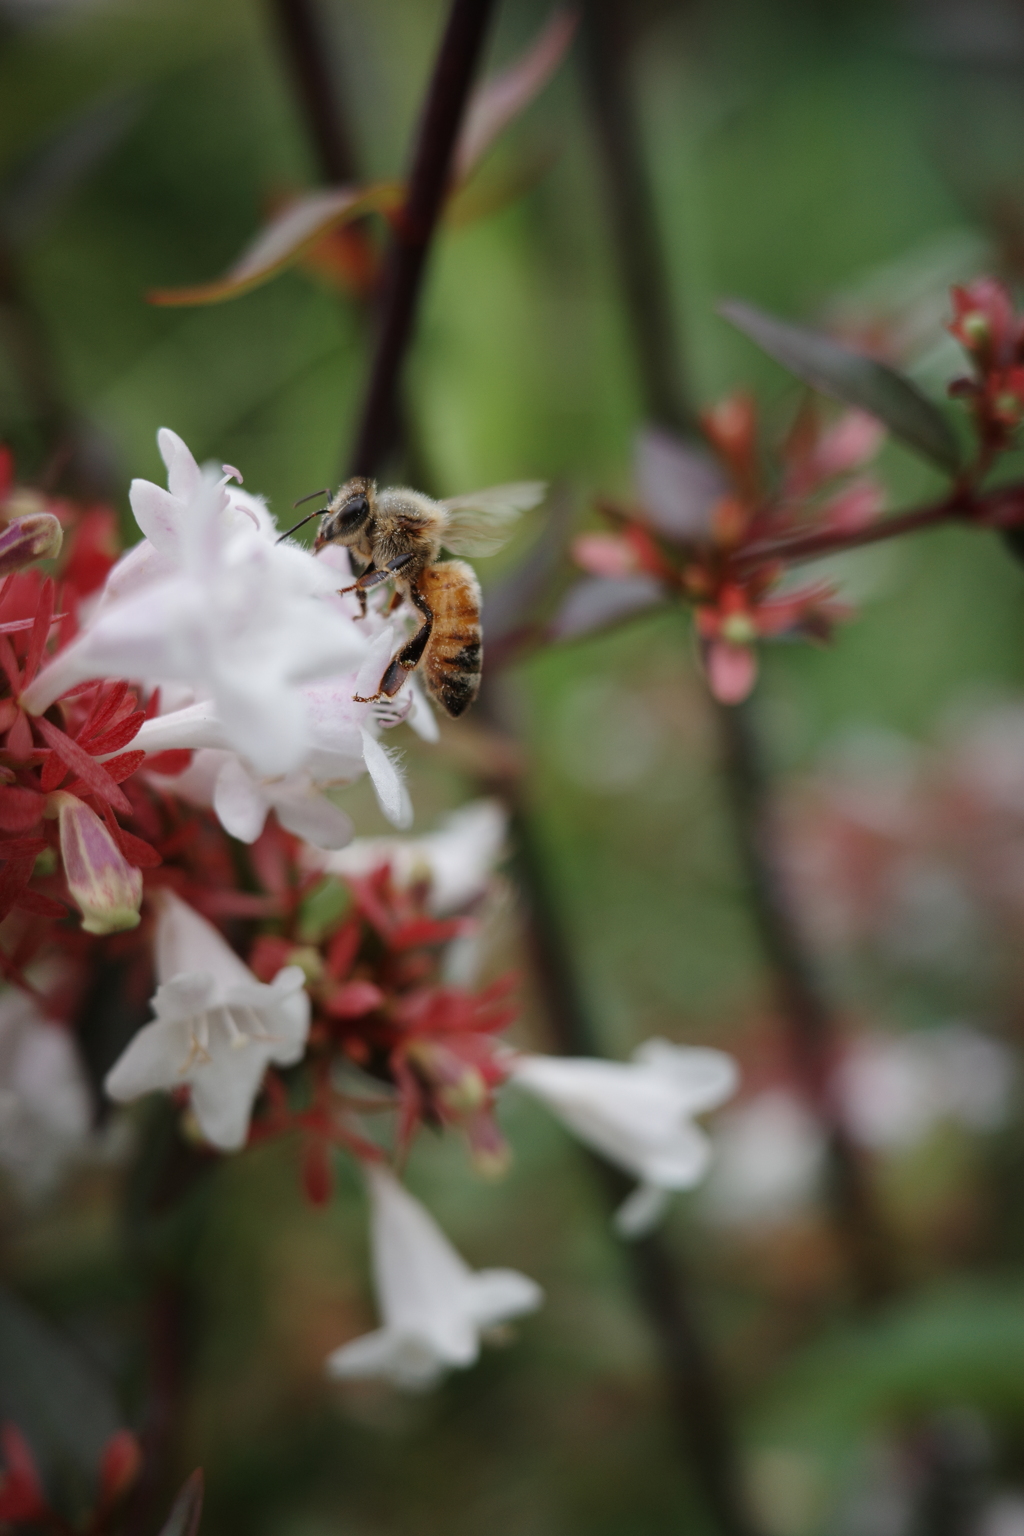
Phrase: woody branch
{"type": "Point", "coordinates": [810, 1025]}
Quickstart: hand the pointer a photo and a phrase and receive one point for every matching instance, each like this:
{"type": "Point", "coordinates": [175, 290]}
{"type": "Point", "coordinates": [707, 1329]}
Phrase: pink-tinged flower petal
{"type": "Point", "coordinates": [158, 514]}
{"type": "Point", "coordinates": [102, 883]}
{"type": "Point", "coordinates": [855, 507]}
{"type": "Point", "coordinates": [604, 554]}
{"type": "Point", "coordinates": [184, 477]}
{"type": "Point", "coordinates": [854, 439]}
{"type": "Point", "coordinates": [731, 670]}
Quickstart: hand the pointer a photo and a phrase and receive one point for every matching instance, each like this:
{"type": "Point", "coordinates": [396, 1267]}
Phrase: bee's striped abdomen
{"type": "Point", "coordinates": [454, 655]}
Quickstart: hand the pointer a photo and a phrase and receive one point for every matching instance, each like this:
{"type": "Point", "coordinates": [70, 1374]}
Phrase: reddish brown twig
{"type": "Point", "coordinates": [406, 260]}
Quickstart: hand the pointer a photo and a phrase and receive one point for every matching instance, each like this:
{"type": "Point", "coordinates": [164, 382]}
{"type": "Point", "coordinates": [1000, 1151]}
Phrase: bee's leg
{"type": "Point", "coordinates": [372, 577]}
{"type": "Point", "coordinates": [410, 654]}
{"type": "Point", "coordinates": [396, 602]}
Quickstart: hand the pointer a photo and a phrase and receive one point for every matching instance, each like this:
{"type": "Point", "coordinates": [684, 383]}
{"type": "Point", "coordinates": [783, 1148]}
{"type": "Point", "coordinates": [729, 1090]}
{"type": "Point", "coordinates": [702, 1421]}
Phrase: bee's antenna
{"type": "Point", "coordinates": [301, 499]}
{"type": "Point", "coordinates": [304, 520]}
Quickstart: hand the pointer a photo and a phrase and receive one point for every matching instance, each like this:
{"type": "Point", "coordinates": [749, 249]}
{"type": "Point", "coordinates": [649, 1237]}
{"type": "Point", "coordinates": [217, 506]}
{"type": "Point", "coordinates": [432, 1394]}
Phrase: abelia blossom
{"type": "Point", "coordinates": [45, 1111]}
{"type": "Point", "coordinates": [434, 1307]}
{"type": "Point", "coordinates": [728, 627]}
{"type": "Point", "coordinates": [342, 744]}
{"type": "Point", "coordinates": [216, 1028]}
{"type": "Point", "coordinates": [639, 1115]}
{"type": "Point", "coordinates": [209, 601]}
{"type": "Point", "coordinates": [715, 535]}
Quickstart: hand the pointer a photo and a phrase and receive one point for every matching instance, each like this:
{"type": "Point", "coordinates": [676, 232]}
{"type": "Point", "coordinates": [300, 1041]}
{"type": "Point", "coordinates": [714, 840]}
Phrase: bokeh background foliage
{"type": "Point", "coordinates": [795, 148]}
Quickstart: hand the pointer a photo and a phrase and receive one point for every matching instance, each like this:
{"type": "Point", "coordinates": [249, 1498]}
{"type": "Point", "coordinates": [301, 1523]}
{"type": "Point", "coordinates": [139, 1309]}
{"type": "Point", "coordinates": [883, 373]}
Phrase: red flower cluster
{"type": "Point", "coordinates": [424, 1050]}
{"type": "Point", "coordinates": [699, 529]}
{"type": "Point", "coordinates": [61, 774]}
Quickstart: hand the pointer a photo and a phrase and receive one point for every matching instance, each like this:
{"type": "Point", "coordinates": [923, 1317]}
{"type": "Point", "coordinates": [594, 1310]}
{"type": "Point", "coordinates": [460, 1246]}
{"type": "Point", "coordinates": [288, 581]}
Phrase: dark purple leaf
{"type": "Point", "coordinates": [854, 378]}
{"type": "Point", "coordinates": [677, 485]}
{"type": "Point", "coordinates": [598, 601]}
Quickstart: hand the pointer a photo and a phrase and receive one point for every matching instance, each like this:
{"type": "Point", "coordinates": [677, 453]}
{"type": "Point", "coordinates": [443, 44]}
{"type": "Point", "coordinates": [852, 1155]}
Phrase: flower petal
{"type": "Point", "coordinates": [186, 942]}
{"type": "Point", "coordinates": [389, 787]}
{"type": "Point", "coordinates": [240, 803]}
{"type": "Point", "coordinates": [184, 477]}
{"type": "Point", "coordinates": [641, 1211]}
{"type": "Point", "coordinates": [156, 1057]}
{"type": "Point", "coordinates": [314, 818]}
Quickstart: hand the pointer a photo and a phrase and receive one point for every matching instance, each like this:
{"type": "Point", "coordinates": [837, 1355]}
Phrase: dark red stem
{"type": "Point", "coordinates": [795, 548]}
{"type": "Point", "coordinates": [306, 50]}
{"type": "Point", "coordinates": [406, 260]}
{"type": "Point", "coordinates": [637, 246]}
{"type": "Point", "coordinates": [808, 1019]}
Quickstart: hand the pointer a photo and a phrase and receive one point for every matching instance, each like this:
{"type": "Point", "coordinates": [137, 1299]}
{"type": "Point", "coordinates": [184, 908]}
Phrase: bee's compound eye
{"type": "Point", "coordinates": [355, 511]}
{"type": "Point", "coordinates": [347, 519]}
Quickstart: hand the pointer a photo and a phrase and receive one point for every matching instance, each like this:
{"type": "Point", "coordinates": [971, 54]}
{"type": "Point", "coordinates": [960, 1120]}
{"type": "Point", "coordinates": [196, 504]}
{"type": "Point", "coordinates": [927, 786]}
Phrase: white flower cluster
{"type": "Point", "coordinates": [259, 661]}
{"type": "Point", "coordinates": [260, 657]}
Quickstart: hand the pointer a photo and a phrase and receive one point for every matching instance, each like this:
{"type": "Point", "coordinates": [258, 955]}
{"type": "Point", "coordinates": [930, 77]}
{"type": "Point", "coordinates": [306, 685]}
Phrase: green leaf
{"type": "Point", "coordinates": [853, 378]}
{"type": "Point", "coordinates": [956, 1343]}
{"type": "Point", "coordinates": [187, 1508]}
{"type": "Point", "coordinates": [286, 239]}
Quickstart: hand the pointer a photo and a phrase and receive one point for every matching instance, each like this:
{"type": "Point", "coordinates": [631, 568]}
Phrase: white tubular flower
{"type": "Point", "coordinates": [638, 1115]}
{"type": "Point", "coordinates": [341, 745]}
{"type": "Point", "coordinates": [457, 859]}
{"type": "Point", "coordinates": [433, 1305]}
{"type": "Point", "coordinates": [242, 801]}
{"type": "Point", "coordinates": [210, 601]}
{"type": "Point", "coordinates": [216, 1026]}
{"type": "Point", "coordinates": [45, 1113]}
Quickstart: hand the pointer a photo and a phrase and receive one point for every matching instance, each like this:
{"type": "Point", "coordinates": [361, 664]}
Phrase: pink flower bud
{"type": "Point", "coordinates": [37, 536]}
{"type": "Point", "coordinates": [731, 670]}
{"type": "Point", "coordinates": [106, 887]}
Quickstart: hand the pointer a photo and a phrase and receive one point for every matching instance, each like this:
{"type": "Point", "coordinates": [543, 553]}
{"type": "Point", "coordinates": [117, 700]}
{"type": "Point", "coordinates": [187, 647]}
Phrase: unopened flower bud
{"type": "Point", "coordinates": [460, 1086]}
{"type": "Point", "coordinates": [105, 886]}
{"type": "Point", "coordinates": [37, 536]}
{"type": "Point", "coordinates": [975, 331]}
{"type": "Point", "coordinates": [729, 520]}
{"type": "Point", "coordinates": [487, 1146]}
{"type": "Point", "coordinates": [738, 629]}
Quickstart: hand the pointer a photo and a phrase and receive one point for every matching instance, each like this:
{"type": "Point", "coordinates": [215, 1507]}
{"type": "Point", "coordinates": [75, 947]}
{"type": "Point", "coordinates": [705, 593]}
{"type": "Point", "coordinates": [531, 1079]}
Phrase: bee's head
{"type": "Point", "coordinates": [347, 513]}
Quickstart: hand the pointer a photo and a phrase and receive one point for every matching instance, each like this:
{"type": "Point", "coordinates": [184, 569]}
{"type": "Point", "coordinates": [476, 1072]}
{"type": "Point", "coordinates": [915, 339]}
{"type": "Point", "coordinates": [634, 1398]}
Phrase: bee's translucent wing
{"type": "Point", "coordinates": [481, 523]}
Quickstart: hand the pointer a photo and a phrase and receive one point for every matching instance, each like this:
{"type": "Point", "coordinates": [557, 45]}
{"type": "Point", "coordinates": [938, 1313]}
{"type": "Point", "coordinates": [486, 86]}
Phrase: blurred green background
{"type": "Point", "coordinates": [798, 150]}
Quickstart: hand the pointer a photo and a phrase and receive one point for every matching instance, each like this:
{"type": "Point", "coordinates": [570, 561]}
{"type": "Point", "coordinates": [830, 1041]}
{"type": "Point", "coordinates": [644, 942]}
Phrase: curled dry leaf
{"type": "Point", "coordinates": [502, 97]}
{"type": "Point", "coordinates": [289, 235]}
{"type": "Point", "coordinates": [854, 378]}
{"type": "Point", "coordinates": [296, 229]}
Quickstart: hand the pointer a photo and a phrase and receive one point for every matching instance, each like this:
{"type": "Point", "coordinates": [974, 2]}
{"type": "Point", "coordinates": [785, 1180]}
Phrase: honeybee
{"type": "Point", "coordinates": [399, 534]}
